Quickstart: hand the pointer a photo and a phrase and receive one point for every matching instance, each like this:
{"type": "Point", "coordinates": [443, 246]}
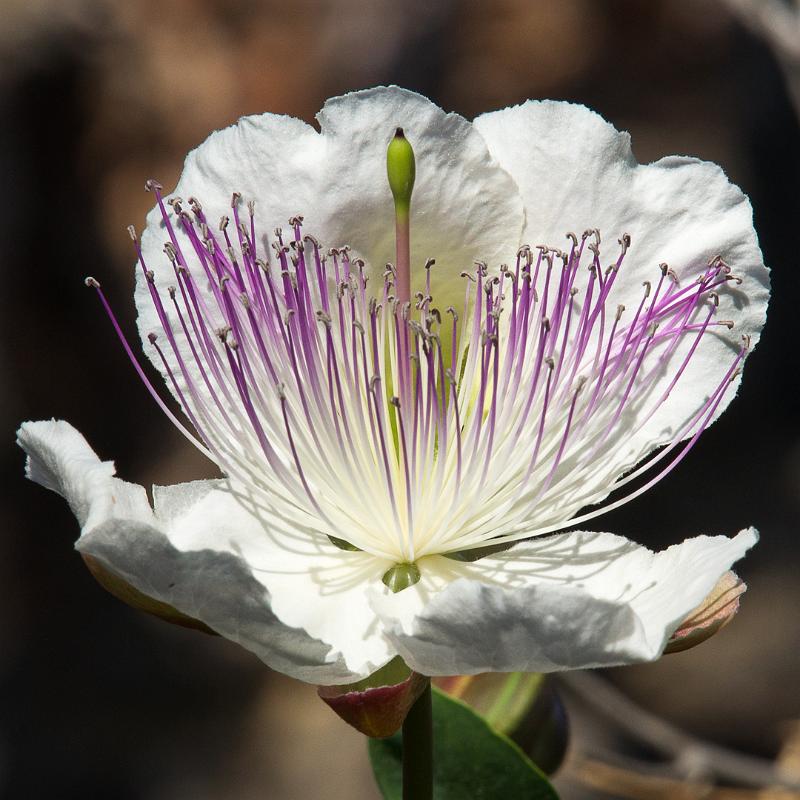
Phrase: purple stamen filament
{"type": "Point", "coordinates": [406, 432]}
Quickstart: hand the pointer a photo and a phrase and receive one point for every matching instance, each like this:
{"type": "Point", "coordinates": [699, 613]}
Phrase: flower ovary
{"type": "Point", "coordinates": [401, 576]}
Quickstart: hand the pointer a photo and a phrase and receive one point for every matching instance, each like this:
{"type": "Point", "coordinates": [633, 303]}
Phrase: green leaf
{"type": "Point", "coordinates": [523, 706]}
{"type": "Point", "coordinates": [470, 760]}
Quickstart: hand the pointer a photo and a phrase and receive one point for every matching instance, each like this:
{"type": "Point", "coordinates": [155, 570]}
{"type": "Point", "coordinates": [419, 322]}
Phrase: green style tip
{"type": "Point", "coordinates": [401, 170]}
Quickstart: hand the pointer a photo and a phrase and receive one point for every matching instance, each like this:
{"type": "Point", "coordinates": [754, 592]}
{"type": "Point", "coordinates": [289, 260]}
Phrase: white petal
{"type": "Point", "coordinates": [312, 585]}
{"type": "Point", "coordinates": [208, 552]}
{"type": "Point", "coordinates": [60, 459]}
{"type": "Point", "coordinates": [565, 602]}
{"type": "Point", "coordinates": [465, 206]}
{"type": "Point", "coordinates": [576, 171]}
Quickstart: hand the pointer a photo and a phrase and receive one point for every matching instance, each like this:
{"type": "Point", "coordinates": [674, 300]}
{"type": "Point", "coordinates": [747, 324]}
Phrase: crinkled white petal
{"type": "Point", "coordinates": [208, 551]}
{"type": "Point", "coordinates": [60, 459]}
{"type": "Point", "coordinates": [322, 615]}
{"type": "Point", "coordinates": [576, 171]}
{"type": "Point", "coordinates": [465, 206]}
{"type": "Point", "coordinates": [569, 601]}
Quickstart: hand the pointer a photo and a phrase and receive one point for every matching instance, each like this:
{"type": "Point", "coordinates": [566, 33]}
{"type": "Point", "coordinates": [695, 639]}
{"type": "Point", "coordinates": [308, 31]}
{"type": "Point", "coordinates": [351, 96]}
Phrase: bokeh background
{"type": "Point", "coordinates": [96, 96]}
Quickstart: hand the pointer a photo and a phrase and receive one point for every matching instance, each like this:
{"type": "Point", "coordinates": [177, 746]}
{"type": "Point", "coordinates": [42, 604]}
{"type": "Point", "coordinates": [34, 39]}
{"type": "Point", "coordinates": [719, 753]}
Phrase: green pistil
{"type": "Point", "coordinates": [401, 171]}
{"type": "Point", "coordinates": [401, 576]}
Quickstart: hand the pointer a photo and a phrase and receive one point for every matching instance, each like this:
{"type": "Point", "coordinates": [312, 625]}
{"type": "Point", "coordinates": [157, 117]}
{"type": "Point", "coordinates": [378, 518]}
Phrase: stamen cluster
{"type": "Point", "coordinates": [402, 429]}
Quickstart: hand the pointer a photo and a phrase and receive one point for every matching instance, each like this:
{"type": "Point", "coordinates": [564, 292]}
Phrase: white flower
{"type": "Point", "coordinates": [356, 434]}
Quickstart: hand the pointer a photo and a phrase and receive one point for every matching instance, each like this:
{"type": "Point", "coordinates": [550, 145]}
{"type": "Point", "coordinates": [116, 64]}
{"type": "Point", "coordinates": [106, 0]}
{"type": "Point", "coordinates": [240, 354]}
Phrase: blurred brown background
{"type": "Point", "coordinates": [96, 96]}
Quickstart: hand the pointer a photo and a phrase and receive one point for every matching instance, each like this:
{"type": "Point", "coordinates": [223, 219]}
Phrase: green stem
{"type": "Point", "coordinates": [418, 749]}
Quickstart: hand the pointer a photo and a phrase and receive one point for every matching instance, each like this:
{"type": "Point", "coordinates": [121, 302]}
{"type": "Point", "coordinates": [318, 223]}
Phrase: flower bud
{"type": "Point", "coordinates": [523, 706]}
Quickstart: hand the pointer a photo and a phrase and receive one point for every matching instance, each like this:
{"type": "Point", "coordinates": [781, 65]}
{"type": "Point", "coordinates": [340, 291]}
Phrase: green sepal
{"type": "Point", "coordinates": [130, 595]}
{"type": "Point", "coordinates": [343, 544]}
{"type": "Point", "coordinates": [394, 672]}
{"type": "Point", "coordinates": [378, 704]}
